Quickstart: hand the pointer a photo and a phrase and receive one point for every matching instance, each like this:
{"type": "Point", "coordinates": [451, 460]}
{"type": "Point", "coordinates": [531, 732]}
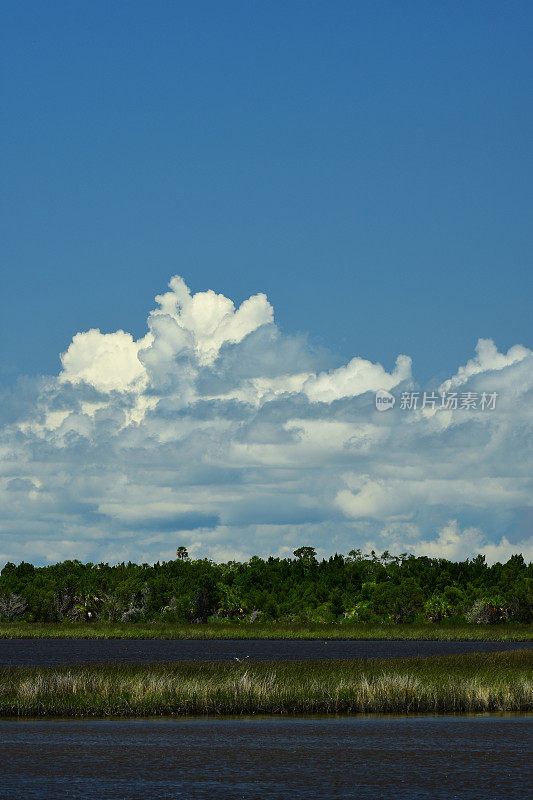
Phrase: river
{"type": "Point", "coordinates": [54, 652]}
{"type": "Point", "coordinates": [303, 758]}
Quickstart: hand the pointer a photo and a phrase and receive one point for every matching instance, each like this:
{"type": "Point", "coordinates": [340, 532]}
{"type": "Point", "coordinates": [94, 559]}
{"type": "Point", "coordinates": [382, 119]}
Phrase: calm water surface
{"type": "Point", "coordinates": [364, 758]}
{"type": "Point", "coordinates": [44, 652]}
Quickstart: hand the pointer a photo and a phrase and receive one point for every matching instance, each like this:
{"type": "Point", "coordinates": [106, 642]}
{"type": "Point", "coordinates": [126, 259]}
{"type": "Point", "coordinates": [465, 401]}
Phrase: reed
{"type": "Point", "coordinates": [495, 682]}
{"type": "Point", "coordinates": [236, 630]}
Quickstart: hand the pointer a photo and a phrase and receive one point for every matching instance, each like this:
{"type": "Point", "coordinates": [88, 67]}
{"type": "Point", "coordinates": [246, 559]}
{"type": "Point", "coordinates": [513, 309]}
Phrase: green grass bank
{"type": "Point", "coordinates": [215, 630]}
{"type": "Point", "coordinates": [496, 682]}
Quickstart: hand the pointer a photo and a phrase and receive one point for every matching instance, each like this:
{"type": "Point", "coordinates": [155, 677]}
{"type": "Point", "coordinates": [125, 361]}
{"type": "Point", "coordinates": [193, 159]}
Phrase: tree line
{"type": "Point", "coordinates": [356, 587]}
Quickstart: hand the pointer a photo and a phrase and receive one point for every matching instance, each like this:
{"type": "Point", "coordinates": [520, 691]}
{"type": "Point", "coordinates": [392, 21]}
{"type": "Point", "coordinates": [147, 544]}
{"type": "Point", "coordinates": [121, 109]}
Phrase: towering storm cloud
{"type": "Point", "coordinates": [218, 431]}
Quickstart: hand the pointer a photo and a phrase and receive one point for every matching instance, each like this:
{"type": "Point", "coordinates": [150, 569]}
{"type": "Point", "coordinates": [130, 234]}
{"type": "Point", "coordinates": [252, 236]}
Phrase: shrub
{"type": "Point", "coordinates": [11, 605]}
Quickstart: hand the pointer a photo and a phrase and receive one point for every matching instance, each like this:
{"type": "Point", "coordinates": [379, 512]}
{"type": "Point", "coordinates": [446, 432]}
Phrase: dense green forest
{"type": "Point", "coordinates": [356, 587]}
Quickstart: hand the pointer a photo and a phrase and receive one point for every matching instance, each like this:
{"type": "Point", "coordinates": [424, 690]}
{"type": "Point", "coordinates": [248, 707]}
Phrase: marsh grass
{"type": "Point", "coordinates": [495, 682]}
{"type": "Point", "coordinates": [218, 630]}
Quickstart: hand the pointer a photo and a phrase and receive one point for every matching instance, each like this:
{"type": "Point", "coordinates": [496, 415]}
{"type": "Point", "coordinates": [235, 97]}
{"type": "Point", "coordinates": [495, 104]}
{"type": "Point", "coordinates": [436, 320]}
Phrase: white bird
{"type": "Point", "coordinates": [240, 660]}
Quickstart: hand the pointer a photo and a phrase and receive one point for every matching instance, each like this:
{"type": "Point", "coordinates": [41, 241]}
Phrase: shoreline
{"type": "Point", "coordinates": [311, 717]}
{"type": "Point", "coordinates": [213, 631]}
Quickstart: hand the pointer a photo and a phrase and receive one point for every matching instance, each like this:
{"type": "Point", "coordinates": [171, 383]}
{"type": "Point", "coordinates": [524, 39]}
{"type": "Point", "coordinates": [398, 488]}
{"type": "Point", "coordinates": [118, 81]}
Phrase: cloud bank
{"type": "Point", "coordinates": [217, 431]}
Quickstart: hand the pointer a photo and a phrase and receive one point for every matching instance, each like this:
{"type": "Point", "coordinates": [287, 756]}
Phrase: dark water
{"type": "Point", "coordinates": [361, 758]}
{"type": "Point", "coordinates": [43, 652]}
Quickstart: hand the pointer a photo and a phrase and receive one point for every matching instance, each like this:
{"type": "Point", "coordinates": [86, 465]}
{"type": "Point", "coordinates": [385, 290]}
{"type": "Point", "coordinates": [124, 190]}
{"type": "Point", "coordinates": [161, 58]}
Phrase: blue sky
{"type": "Point", "coordinates": [366, 166]}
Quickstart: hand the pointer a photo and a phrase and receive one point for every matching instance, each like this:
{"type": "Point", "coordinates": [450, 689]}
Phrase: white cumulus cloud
{"type": "Point", "coordinates": [357, 377]}
{"type": "Point", "coordinates": [487, 358]}
{"type": "Point", "coordinates": [107, 361]}
{"type": "Point", "coordinates": [217, 431]}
